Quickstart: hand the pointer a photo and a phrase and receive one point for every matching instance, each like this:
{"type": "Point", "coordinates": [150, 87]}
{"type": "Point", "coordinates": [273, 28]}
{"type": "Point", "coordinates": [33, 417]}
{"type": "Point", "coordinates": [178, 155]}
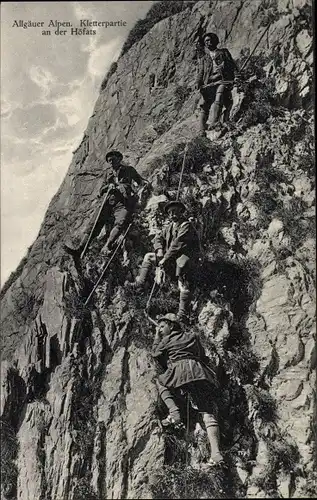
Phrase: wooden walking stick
{"type": "Point", "coordinates": [95, 223]}
{"type": "Point", "coordinates": [103, 272]}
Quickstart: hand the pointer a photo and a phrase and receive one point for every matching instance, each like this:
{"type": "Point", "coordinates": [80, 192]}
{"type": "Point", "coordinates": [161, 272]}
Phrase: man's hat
{"type": "Point", "coordinates": [114, 153]}
{"type": "Point", "coordinates": [169, 317]}
{"type": "Point", "coordinates": [213, 36]}
{"type": "Point", "coordinates": [175, 203]}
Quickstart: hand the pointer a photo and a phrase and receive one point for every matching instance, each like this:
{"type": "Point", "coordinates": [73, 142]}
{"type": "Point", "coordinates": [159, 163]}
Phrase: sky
{"type": "Point", "coordinates": [49, 85]}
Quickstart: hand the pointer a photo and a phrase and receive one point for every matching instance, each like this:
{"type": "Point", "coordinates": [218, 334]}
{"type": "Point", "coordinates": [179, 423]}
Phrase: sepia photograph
{"type": "Point", "coordinates": [158, 249]}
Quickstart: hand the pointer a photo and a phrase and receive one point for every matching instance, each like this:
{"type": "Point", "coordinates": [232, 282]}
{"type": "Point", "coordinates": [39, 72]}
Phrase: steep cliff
{"type": "Point", "coordinates": [80, 412]}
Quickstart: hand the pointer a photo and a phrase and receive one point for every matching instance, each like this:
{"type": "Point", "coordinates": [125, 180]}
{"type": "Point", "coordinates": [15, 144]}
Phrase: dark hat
{"type": "Point", "coordinates": [171, 317]}
{"type": "Point", "coordinates": [175, 203]}
{"type": "Point", "coordinates": [114, 153]}
{"type": "Point", "coordinates": [213, 36]}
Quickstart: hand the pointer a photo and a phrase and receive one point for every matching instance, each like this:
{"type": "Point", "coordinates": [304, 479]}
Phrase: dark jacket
{"type": "Point", "coordinates": [123, 178]}
{"type": "Point", "coordinates": [180, 243]}
{"type": "Point", "coordinates": [222, 68]}
{"type": "Point", "coordinates": [185, 359]}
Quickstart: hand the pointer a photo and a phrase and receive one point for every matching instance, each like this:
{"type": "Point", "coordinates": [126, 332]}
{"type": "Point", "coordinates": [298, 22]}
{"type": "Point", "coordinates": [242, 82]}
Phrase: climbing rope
{"type": "Point", "coordinates": [182, 171]}
{"type": "Point", "coordinates": [108, 264]}
{"type": "Point", "coordinates": [187, 442]}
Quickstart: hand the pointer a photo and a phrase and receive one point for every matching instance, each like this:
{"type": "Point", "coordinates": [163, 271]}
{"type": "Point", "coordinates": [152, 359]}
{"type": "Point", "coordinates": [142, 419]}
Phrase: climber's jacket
{"type": "Point", "coordinates": [122, 179]}
{"type": "Point", "coordinates": [215, 66]}
{"type": "Point", "coordinates": [184, 357]}
{"type": "Point", "coordinates": [179, 241]}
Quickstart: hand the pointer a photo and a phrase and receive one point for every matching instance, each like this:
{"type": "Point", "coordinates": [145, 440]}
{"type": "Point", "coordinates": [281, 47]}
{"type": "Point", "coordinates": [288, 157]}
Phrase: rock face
{"type": "Point", "coordinates": [80, 412]}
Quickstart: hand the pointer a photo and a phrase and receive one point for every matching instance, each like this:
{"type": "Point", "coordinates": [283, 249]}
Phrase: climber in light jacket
{"type": "Point", "coordinates": [176, 248]}
{"type": "Point", "coordinates": [216, 74]}
{"type": "Point", "coordinates": [120, 204]}
{"type": "Point", "coordinates": [183, 357]}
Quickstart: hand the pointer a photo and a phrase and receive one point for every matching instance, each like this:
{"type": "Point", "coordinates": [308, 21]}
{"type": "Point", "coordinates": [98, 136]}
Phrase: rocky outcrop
{"type": "Point", "coordinates": [80, 413]}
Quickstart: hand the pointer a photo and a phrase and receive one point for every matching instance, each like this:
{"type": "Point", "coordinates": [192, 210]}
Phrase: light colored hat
{"type": "Point", "coordinates": [169, 317]}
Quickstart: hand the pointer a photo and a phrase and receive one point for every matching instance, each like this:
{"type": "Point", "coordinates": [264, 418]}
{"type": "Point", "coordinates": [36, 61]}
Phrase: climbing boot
{"type": "Point", "coordinates": [140, 280]}
{"type": "Point", "coordinates": [74, 252]}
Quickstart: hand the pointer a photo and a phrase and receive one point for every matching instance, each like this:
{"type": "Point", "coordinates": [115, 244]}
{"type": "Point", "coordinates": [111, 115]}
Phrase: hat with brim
{"type": "Point", "coordinates": [114, 153]}
{"type": "Point", "coordinates": [172, 204]}
{"type": "Point", "coordinates": [171, 317]}
{"type": "Point", "coordinates": [213, 36]}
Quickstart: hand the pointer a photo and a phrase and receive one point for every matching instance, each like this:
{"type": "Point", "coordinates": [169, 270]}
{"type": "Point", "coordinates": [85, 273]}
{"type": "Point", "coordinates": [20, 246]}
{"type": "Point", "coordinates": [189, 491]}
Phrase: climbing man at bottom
{"type": "Point", "coordinates": [185, 359]}
{"type": "Point", "coordinates": [175, 247]}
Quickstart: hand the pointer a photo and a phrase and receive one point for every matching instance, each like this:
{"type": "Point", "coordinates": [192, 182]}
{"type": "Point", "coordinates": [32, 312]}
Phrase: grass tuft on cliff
{"type": "Point", "coordinates": [186, 482]}
{"type": "Point", "coordinates": [158, 11]}
{"type": "Point", "coordinates": [9, 451]}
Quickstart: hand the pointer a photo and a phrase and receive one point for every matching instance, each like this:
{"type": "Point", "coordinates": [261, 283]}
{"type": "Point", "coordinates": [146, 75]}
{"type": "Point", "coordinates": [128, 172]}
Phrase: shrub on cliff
{"type": "Point", "coordinates": [159, 11]}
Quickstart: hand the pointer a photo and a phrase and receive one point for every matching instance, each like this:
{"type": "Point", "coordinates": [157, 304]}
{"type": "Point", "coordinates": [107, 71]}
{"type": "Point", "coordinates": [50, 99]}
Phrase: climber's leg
{"type": "Point", "coordinates": [184, 300]}
{"type": "Point", "coordinates": [227, 104]}
{"type": "Point", "coordinates": [217, 105]}
{"type": "Point", "coordinates": [204, 108]}
{"type": "Point", "coordinates": [184, 292]}
{"type": "Point", "coordinates": [213, 434]}
{"type": "Point", "coordinates": [148, 263]}
{"type": "Point", "coordinates": [121, 219]}
{"type": "Point", "coordinates": [167, 397]}
{"type": "Point", "coordinates": [202, 393]}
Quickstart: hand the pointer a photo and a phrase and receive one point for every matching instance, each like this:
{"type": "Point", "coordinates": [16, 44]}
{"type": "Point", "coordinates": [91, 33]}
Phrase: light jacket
{"type": "Point", "coordinates": [181, 246]}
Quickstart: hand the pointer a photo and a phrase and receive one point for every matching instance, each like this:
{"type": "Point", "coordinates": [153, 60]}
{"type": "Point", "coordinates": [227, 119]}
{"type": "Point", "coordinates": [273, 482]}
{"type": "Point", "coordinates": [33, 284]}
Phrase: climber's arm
{"type": "Point", "coordinates": [180, 243]}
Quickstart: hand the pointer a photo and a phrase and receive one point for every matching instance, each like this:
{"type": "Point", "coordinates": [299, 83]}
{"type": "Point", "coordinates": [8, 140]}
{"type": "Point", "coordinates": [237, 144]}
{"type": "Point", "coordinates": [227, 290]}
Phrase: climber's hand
{"type": "Point", "coordinates": [102, 191]}
{"type": "Point", "coordinates": [159, 253]}
{"type": "Point", "coordinates": [238, 81]}
{"type": "Point", "coordinates": [162, 262]}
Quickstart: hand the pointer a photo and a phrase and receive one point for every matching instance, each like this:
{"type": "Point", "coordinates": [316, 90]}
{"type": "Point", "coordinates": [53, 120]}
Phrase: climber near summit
{"type": "Point", "coordinates": [175, 249]}
{"type": "Point", "coordinates": [120, 203]}
{"type": "Point", "coordinates": [216, 74]}
{"type": "Point", "coordinates": [183, 357]}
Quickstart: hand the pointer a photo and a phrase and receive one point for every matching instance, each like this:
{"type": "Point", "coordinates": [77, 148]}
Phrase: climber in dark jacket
{"type": "Point", "coordinates": [121, 202]}
{"type": "Point", "coordinates": [185, 361]}
{"type": "Point", "coordinates": [176, 249]}
{"type": "Point", "coordinates": [216, 74]}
